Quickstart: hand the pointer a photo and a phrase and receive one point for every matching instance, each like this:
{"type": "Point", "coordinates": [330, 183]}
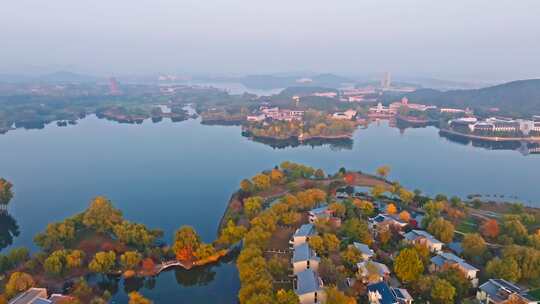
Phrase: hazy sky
{"type": "Point", "coordinates": [459, 39]}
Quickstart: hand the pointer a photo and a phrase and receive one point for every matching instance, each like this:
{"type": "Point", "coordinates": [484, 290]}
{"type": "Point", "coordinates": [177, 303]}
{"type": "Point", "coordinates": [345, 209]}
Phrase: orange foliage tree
{"type": "Point", "coordinates": [391, 209]}
{"type": "Point", "coordinates": [490, 228]}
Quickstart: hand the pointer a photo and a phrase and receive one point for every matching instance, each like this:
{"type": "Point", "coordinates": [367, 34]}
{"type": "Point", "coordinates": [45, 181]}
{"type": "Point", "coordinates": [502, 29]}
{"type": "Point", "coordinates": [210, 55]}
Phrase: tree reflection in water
{"type": "Point", "coordinates": [9, 229]}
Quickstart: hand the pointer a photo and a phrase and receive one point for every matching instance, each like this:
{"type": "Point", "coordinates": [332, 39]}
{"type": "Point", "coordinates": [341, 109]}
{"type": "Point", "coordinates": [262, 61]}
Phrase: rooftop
{"type": "Point", "coordinates": [500, 290]}
{"type": "Point", "coordinates": [415, 234]}
{"type": "Point", "coordinates": [29, 296]}
{"type": "Point", "coordinates": [384, 294]}
{"type": "Point", "coordinates": [305, 230]}
{"type": "Point", "coordinates": [307, 281]}
{"type": "Point", "coordinates": [447, 257]}
{"type": "Point", "coordinates": [303, 252]}
{"type": "Point", "coordinates": [363, 248]}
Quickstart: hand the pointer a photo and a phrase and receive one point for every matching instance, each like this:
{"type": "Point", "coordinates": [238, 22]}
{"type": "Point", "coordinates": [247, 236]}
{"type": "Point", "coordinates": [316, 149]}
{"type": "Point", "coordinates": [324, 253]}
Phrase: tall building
{"type": "Point", "coordinates": [386, 81]}
{"type": "Point", "coordinates": [114, 88]}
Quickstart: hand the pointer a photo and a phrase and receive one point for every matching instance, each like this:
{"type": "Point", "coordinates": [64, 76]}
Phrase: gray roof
{"type": "Point", "coordinates": [29, 296]}
{"type": "Point", "coordinates": [456, 247]}
{"type": "Point", "coordinates": [305, 230]}
{"type": "Point", "coordinates": [386, 295]}
{"type": "Point", "coordinates": [415, 234]}
{"type": "Point", "coordinates": [303, 252]}
{"type": "Point", "coordinates": [500, 289]}
{"type": "Point", "coordinates": [363, 248]}
{"type": "Point", "coordinates": [319, 210]}
{"type": "Point", "coordinates": [381, 268]}
{"type": "Point", "coordinates": [307, 282]}
{"type": "Point", "coordinates": [447, 257]}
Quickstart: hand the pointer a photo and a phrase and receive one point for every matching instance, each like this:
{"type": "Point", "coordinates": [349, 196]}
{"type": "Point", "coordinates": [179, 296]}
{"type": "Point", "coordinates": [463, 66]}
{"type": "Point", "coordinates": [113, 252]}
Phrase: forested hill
{"type": "Point", "coordinates": [519, 98]}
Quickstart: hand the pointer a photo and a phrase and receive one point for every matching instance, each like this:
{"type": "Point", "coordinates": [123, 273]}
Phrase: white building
{"type": "Point", "coordinates": [302, 234]}
{"type": "Point", "coordinates": [499, 291]}
{"type": "Point", "coordinates": [445, 259]}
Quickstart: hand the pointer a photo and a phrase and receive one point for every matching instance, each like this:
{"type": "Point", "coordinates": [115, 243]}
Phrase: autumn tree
{"type": "Point", "coordinates": [408, 265]}
{"type": "Point", "coordinates": [350, 178]}
{"type": "Point", "coordinates": [278, 267]}
{"type": "Point", "coordinates": [351, 256]}
{"type": "Point", "coordinates": [137, 298]}
{"type": "Point", "coordinates": [246, 185]}
{"type": "Point", "coordinates": [378, 191]}
{"type": "Point", "coordinates": [357, 230]}
{"type": "Point", "coordinates": [204, 251]}
{"type": "Point", "coordinates": [443, 292]}
{"type": "Point", "coordinates": [103, 262]}
{"type": "Point", "coordinates": [337, 208]}
{"type": "Point", "coordinates": [186, 241]}
{"type": "Point", "coordinates": [513, 228]}
{"type": "Point", "coordinates": [473, 245]}
{"type": "Point", "coordinates": [101, 215]}
{"type": "Point", "coordinates": [405, 216]}
{"type": "Point", "coordinates": [56, 235]}
{"type": "Point", "coordinates": [253, 205]}
{"type": "Point", "coordinates": [406, 196]}
{"type": "Point", "coordinates": [442, 229]}
{"type": "Point", "coordinates": [383, 171]}
{"type": "Point", "coordinates": [366, 207]}
{"type": "Point", "coordinates": [6, 193]}
{"type": "Point", "coordinates": [231, 234]}
{"type": "Point", "coordinates": [391, 209]}
{"type": "Point", "coordinates": [261, 182]}
{"type": "Point", "coordinates": [135, 234]}
{"type": "Point", "coordinates": [130, 260]}
{"type": "Point", "coordinates": [286, 297]}
{"type": "Point", "coordinates": [331, 242]}
{"type": "Point", "coordinates": [17, 283]}
{"type": "Point", "coordinates": [316, 243]}
{"type": "Point", "coordinates": [55, 263]}
{"type": "Point", "coordinates": [335, 296]}
{"type": "Point", "coordinates": [277, 177]}
{"type": "Point", "coordinates": [507, 269]}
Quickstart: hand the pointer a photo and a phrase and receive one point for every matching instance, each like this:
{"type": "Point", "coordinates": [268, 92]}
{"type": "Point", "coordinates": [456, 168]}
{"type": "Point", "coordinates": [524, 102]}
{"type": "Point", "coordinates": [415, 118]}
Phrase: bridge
{"type": "Point", "coordinates": [169, 264]}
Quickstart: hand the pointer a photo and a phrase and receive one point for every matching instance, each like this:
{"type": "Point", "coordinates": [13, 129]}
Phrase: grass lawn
{"type": "Point", "coordinates": [535, 293]}
{"type": "Point", "coordinates": [467, 226]}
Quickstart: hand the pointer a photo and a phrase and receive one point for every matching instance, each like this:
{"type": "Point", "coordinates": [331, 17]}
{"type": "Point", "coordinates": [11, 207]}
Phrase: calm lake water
{"type": "Point", "coordinates": [170, 174]}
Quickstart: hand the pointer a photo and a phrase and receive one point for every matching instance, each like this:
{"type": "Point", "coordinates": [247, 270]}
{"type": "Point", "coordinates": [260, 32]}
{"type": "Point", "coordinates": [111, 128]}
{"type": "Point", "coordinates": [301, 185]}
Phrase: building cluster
{"type": "Point", "coordinates": [495, 125]}
{"type": "Point", "coordinates": [275, 113]}
{"type": "Point", "coordinates": [393, 109]}
{"type": "Point", "coordinates": [40, 296]}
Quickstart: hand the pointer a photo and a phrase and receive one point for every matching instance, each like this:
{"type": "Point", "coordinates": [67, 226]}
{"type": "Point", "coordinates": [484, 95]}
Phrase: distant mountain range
{"type": "Point", "coordinates": [56, 77]}
{"type": "Point", "coordinates": [520, 98]}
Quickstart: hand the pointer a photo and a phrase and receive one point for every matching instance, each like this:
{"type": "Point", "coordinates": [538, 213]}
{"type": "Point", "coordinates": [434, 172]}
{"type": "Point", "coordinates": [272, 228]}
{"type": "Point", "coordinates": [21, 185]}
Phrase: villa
{"type": "Point", "coordinates": [309, 287]}
{"type": "Point", "coordinates": [386, 221]}
{"type": "Point", "coordinates": [319, 213]}
{"type": "Point", "coordinates": [304, 258]}
{"type": "Point", "coordinates": [372, 272]}
{"type": "Point", "coordinates": [381, 293]}
{"type": "Point", "coordinates": [445, 259]}
{"type": "Point", "coordinates": [422, 237]}
{"type": "Point", "coordinates": [499, 291]}
{"type": "Point", "coordinates": [367, 253]}
{"type": "Point", "coordinates": [302, 234]}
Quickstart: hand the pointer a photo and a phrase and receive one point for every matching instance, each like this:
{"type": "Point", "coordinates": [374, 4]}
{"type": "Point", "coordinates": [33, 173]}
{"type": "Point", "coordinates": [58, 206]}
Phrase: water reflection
{"type": "Point", "coordinates": [525, 148]}
{"type": "Point", "coordinates": [334, 144]}
{"type": "Point", "coordinates": [9, 229]}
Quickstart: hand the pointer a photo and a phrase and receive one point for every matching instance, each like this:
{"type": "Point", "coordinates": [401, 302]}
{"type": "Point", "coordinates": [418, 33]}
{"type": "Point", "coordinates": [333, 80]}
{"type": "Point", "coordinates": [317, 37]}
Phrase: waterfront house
{"type": "Point", "coordinates": [424, 238]}
{"type": "Point", "coordinates": [39, 296]}
{"type": "Point", "coordinates": [447, 259]}
{"type": "Point", "coordinates": [499, 291]}
{"type": "Point", "coordinates": [302, 234]}
{"type": "Point", "coordinates": [304, 258]}
{"type": "Point", "coordinates": [309, 287]}
{"type": "Point", "coordinates": [367, 253]}
{"type": "Point", "coordinates": [372, 272]}
{"type": "Point", "coordinates": [381, 293]}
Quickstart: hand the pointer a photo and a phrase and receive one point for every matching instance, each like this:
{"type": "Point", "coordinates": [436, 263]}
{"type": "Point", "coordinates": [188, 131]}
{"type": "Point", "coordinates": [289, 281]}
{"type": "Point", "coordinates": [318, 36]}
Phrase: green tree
{"type": "Point", "coordinates": [56, 263]}
{"type": "Point", "coordinates": [286, 297]}
{"type": "Point", "coordinates": [443, 292]}
{"type": "Point", "coordinates": [186, 241]}
{"type": "Point", "coordinates": [356, 230]}
{"type": "Point", "coordinates": [507, 269]}
{"type": "Point", "coordinates": [515, 229]}
{"type": "Point", "coordinates": [130, 260]}
{"type": "Point", "coordinates": [18, 282]}
{"type": "Point", "coordinates": [408, 265]}
{"type": "Point", "coordinates": [101, 215]}
{"type": "Point", "coordinates": [56, 235]}
{"type": "Point", "coordinates": [473, 245]}
{"type": "Point", "coordinates": [252, 206]}
{"type": "Point", "coordinates": [134, 234]}
{"type": "Point", "coordinates": [458, 279]}
{"type": "Point", "coordinates": [103, 262]}
{"type": "Point", "coordinates": [442, 229]}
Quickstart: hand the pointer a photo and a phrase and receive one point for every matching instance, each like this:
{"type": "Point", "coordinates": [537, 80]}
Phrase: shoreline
{"type": "Point", "coordinates": [490, 138]}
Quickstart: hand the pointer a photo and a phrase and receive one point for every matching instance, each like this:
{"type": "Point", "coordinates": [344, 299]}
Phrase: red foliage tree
{"type": "Point", "coordinates": [350, 178]}
{"type": "Point", "coordinates": [490, 229]}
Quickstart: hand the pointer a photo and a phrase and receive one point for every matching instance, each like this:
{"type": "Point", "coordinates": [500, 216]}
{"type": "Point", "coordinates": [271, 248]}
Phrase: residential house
{"type": "Point", "coordinates": [304, 258]}
{"type": "Point", "coordinates": [302, 234]}
{"type": "Point", "coordinates": [319, 213]}
{"type": "Point", "coordinates": [367, 253]}
{"type": "Point", "coordinates": [423, 237]}
{"type": "Point", "coordinates": [39, 296]}
{"type": "Point", "coordinates": [499, 291]}
{"type": "Point", "coordinates": [381, 293]}
{"type": "Point", "coordinates": [309, 287]}
{"type": "Point", "coordinates": [372, 272]}
{"type": "Point", "coordinates": [447, 259]}
{"type": "Point", "coordinates": [386, 221]}
{"type": "Point", "coordinates": [347, 115]}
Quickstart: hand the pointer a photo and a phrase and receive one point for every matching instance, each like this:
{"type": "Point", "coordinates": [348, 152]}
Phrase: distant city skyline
{"type": "Point", "coordinates": [458, 40]}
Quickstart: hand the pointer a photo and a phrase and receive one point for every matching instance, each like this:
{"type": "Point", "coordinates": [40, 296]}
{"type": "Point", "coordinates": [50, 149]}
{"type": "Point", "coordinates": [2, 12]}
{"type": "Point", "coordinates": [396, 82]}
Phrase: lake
{"type": "Point", "coordinates": [169, 174]}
